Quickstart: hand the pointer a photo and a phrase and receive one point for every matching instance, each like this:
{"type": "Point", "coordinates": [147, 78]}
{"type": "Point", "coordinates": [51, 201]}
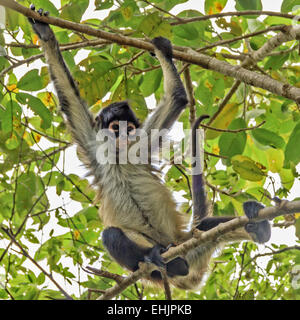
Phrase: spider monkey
{"type": "Point", "coordinates": [138, 211]}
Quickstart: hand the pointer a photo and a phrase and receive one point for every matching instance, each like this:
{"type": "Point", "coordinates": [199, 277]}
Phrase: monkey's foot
{"type": "Point", "coordinates": [259, 231]}
{"type": "Point", "coordinates": [164, 46]}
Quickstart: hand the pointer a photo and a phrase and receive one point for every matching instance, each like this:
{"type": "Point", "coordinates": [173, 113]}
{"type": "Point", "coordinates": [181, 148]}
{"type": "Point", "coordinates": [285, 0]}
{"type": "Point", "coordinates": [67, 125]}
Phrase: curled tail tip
{"type": "Point", "coordinates": [199, 120]}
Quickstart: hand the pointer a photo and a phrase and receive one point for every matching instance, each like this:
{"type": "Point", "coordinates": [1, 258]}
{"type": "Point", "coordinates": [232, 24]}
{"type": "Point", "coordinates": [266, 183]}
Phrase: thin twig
{"type": "Point", "coordinates": [116, 277]}
{"type": "Point", "coordinates": [190, 94]}
{"type": "Point", "coordinates": [235, 13]}
{"type": "Point", "coordinates": [72, 46]}
{"type": "Point", "coordinates": [25, 254]}
{"type": "Point", "coordinates": [162, 10]}
{"type": "Point", "coordinates": [233, 131]}
{"type": "Point", "coordinates": [249, 35]}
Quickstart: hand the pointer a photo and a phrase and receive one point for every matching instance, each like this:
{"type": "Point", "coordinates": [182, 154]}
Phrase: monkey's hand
{"type": "Point", "coordinates": [42, 29]}
{"type": "Point", "coordinates": [259, 231]}
{"type": "Point", "coordinates": [162, 46]}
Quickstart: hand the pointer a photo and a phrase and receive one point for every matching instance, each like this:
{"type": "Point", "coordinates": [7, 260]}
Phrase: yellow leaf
{"type": "Point", "coordinates": [208, 85]}
{"type": "Point", "coordinates": [286, 177]}
{"type": "Point", "coordinates": [297, 215]}
{"type": "Point", "coordinates": [218, 7]}
{"type": "Point", "coordinates": [35, 39]}
{"type": "Point", "coordinates": [275, 159]}
{"type": "Point", "coordinates": [76, 234]}
{"type": "Point", "coordinates": [127, 13]}
{"type": "Point", "coordinates": [48, 99]}
{"type": "Point", "coordinates": [247, 168]}
{"type": "Point", "coordinates": [223, 120]}
{"type": "Point", "coordinates": [216, 149]}
{"type": "Point", "coordinates": [13, 88]}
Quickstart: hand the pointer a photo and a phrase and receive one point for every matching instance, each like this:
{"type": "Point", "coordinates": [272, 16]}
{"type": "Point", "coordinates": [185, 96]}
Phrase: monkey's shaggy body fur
{"type": "Point", "coordinates": [137, 210]}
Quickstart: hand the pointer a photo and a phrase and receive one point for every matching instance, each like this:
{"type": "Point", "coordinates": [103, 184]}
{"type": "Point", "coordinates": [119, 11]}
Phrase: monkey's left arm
{"type": "Point", "coordinates": [175, 98]}
{"type": "Point", "coordinates": [78, 116]}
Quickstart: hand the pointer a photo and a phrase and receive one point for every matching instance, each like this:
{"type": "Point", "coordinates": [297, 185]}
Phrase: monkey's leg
{"type": "Point", "coordinates": [259, 231]}
{"type": "Point", "coordinates": [127, 253]}
{"type": "Point", "coordinates": [210, 222]}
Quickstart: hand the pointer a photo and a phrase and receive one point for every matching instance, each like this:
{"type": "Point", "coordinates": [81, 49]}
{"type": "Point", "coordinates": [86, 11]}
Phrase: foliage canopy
{"type": "Point", "coordinates": [34, 142]}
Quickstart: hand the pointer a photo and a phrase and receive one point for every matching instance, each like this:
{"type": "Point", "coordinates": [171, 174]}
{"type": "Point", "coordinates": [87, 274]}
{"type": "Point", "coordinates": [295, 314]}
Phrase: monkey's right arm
{"type": "Point", "coordinates": [78, 116]}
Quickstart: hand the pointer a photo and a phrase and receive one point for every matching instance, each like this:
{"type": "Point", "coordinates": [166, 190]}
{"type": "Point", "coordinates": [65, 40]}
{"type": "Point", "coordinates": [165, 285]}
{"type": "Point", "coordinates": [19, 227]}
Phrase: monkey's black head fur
{"type": "Point", "coordinates": [116, 111]}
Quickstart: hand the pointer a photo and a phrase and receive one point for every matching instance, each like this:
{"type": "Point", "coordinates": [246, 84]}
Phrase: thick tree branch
{"type": "Point", "coordinates": [287, 34]}
{"type": "Point", "coordinates": [244, 75]}
{"type": "Point", "coordinates": [269, 213]}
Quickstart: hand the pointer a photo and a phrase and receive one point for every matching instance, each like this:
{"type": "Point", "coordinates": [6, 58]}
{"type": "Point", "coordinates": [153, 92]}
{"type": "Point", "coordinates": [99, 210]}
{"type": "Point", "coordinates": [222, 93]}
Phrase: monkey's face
{"type": "Point", "coordinates": [120, 122]}
{"type": "Point", "coordinates": [122, 131]}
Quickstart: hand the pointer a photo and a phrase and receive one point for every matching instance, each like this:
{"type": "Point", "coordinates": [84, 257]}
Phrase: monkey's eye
{"type": "Point", "coordinates": [131, 129]}
{"type": "Point", "coordinates": [114, 126]}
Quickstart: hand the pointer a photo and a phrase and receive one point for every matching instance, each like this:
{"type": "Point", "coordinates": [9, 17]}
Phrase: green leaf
{"type": "Point", "coordinates": [103, 4]}
{"type": "Point", "coordinates": [6, 117]}
{"type": "Point", "coordinates": [232, 144]}
{"type": "Point", "coordinates": [31, 81]}
{"type": "Point", "coordinates": [151, 82]}
{"type": "Point", "coordinates": [292, 151]}
{"type": "Point", "coordinates": [186, 31]}
{"type": "Point", "coordinates": [276, 62]}
{"type": "Point", "coordinates": [243, 5]}
{"type": "Point", "coordinates": [289, 5]}
{"type": "Point", "coordinates": [41, 278]}
{"type": "Point", "coordinates": [153, 25]}
{"type": "Point", "coordinates": [268, 138]}
{"type": "Point", "coordinates": [12, 142]}
{"type": "Point", "coordinates": [223, 120]}
{"type": "Point", "coordinates": [37, 106]}
{"type": "Point", "coordinates": [247, 168]}
{"type": "Point", "coordinates": [27, 188]}
{"type": "Point", "coordinates": [74, 10]}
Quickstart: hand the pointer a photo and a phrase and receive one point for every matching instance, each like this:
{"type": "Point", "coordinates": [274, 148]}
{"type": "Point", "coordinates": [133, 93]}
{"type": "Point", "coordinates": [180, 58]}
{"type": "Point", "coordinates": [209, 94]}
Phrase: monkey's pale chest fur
{"type": "Point", "coordinates": [135, 199]}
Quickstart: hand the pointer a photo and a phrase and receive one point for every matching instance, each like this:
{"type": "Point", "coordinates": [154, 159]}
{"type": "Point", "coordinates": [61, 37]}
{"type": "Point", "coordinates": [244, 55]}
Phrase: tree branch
{"type": "Point", "coordinates": [286, 207]}
{"type": "Point", "coordinates": [269, 213]}
{"type": "Point", "coordinates": [207, 62]}
{"type": "Point", "coordinates": [144, 268]}
{"type": "Point", "coordinates": [102, 273]}
{"type": "Point", "coordinates": [25, 254]}
{"type": "Point", "coordinates": [249, 35]}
